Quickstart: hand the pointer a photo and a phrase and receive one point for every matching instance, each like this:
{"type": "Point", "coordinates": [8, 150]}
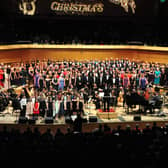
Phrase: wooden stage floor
{"type": "Point", "coordinates": [122, 119]}
{"type": "Point", "coordinates": [119, 116]}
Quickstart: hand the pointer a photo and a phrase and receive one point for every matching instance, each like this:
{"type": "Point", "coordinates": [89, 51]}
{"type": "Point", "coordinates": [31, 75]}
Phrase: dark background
{"type": "Point", "coordinates": [144, 8]}
{"type": "Point", "coordinates": [114, 26]}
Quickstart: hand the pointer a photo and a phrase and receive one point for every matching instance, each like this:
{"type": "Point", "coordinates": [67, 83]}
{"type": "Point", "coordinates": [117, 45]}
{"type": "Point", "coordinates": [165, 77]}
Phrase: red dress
{"type": "Point", "coordinates": [36, 108]}
{"type": "Point", "coordinates": [1, 78]}
{"type": "Point", "coordinates": [122, 76]}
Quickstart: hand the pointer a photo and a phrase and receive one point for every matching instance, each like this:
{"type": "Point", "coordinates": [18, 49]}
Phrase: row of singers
{"type": "Point", "coordinates": [49, 107]}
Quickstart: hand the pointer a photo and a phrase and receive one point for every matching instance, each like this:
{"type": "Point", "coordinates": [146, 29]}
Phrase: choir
{"type": "Point", "coordinates": [60, 88]}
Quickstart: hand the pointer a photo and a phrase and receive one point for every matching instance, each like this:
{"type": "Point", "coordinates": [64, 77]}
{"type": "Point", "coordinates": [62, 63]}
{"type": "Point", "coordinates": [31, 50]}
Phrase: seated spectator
{"type": "Point", "coordinates": [78, 124]}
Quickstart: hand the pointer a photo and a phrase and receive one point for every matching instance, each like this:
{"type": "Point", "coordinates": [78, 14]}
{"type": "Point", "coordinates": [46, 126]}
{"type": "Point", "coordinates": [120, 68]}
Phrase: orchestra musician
{"type": "Point", "coordinates": [120, 96]}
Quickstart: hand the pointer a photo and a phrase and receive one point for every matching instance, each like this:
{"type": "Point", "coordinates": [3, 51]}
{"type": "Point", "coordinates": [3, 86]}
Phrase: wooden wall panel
{"type": "Point", "coordinates": [87, 127]}
{"type": "Point", "coordinates": [18, 55]}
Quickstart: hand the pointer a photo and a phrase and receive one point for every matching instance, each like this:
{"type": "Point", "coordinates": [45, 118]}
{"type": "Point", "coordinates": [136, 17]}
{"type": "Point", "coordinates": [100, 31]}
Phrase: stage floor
{"type": "Point", "coordinates": [6, 117]}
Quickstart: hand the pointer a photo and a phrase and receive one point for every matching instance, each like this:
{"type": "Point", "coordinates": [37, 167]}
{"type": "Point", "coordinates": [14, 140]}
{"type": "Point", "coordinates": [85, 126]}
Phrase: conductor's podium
{"type": "Point", "coordinates": [106, 115]}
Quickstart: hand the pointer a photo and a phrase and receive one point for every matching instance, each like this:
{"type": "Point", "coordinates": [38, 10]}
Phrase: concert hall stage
{"type": "Point", "coordinates": [112, 119]}
{"type": "Point", "coordinates": [27, 52]}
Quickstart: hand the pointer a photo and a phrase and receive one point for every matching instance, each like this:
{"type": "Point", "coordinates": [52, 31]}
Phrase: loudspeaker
{"type": "Point", "coordinates": [22, 120]}
{"type": "Point", "coordinates": [32, 121]}
{"type": "Point", "coordinates": [137, 118]}
{"type": "Point", "coordinates": [68, 120]}
{"type": "Point", "coordinates": [92, 119]}
{"type": "Point", "coordinates": [49, 120]}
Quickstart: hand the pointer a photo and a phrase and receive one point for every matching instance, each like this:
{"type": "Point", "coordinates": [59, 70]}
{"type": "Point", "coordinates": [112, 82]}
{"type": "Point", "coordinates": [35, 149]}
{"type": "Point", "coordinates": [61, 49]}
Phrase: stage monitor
{"type": "Point", "coordinates": [137, 118]}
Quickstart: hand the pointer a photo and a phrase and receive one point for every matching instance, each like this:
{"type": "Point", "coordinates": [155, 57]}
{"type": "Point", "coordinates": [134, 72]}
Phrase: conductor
{"type": "Point", "coordinates": [106, 98]}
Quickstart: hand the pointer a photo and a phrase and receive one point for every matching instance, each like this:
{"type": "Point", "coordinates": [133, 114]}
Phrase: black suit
{"type": "Point", "coordinates": [106, 98]}
{"type": "Point", "coordinates": [107, 79]}
{"type": "Point", "coordinates": [95, 80]}
{"type": "Point", "coordinates": [80, 107]}
{"type": "Point", "coordinates": [79, 82]}
{"type": "Point", "coordinates": [117, 81]}
{"type": "Point", "coordinates": [78, 124]}
{"type": "Point", "coordinates": [100, 82]}
{"type": "Point", "coordinates": [87, 81]}
{"type": "Point", "coordinates": [74, 106]}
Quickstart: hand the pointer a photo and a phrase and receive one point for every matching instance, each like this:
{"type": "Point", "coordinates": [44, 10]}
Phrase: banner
{"type": "Point", "coordinates": [52, 8]}
{"type": "Point", "coordinates": [77, 8]}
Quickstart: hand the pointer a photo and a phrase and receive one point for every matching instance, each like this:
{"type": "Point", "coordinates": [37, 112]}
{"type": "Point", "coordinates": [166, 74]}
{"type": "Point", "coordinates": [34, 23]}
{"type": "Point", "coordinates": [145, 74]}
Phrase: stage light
{"type": "Point", "coordinates": [162, 1]}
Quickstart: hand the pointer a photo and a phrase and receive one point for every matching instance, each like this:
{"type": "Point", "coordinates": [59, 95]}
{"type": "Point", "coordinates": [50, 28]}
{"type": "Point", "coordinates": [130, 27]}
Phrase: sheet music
{"type": "Point", "coordinates": [89, 100]}
{"type": "Point", "coordinates": [101, 94]}
{"type": "Point", "coordinates": [73, 117]}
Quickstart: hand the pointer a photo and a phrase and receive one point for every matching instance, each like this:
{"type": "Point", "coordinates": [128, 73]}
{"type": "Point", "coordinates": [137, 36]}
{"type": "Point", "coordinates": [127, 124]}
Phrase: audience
{"type": "Point", "coordinates": [144, 147]}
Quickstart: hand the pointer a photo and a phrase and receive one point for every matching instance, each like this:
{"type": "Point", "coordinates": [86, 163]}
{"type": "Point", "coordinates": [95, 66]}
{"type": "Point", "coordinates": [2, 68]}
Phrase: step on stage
{"type": "Point", "coordinates": [111, 114]}
{"type": "Point", "coordinates": [92, 119]}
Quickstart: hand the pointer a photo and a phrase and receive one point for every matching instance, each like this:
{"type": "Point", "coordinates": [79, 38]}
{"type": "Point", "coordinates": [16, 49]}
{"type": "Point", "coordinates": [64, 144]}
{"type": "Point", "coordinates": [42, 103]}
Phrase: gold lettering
{"type": "Point", "coordinates": [78, 8]}
{"type": "Point", "coordinates": [86, 8]}
{"type": "Point", "coordinates": [74, 8]}
{"type": "Point", "coordinates": [100, 7]}
{"type": "Point", "coordinates": [53, 5]}
{"type": "Point", "coordinates": [93, 9]}
{"type": "Point", "coordinates": [66, 8]}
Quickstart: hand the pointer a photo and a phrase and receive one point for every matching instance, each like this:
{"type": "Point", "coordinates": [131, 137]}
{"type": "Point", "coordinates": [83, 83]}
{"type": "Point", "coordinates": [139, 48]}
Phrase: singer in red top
{"type": "Point", "coordinates": [36, 110]}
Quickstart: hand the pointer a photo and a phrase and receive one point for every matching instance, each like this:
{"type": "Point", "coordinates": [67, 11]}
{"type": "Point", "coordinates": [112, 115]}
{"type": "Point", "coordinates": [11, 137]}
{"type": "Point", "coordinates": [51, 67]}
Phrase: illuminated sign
{"type": "Point", "coordinates": [78, 8]}
{"type": "Point", "coordinates": [75, 7]}
{"type": "Point", "coordinates": [27, 7]}
{"type": "Point", "coordinates": [125, 4]}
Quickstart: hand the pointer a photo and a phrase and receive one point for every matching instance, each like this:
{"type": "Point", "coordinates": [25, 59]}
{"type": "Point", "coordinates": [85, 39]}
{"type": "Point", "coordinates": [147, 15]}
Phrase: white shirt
{"type": "Point", "coordinates": [23, 102]}
{"type": "Point", "coordinates": [94, 79]}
